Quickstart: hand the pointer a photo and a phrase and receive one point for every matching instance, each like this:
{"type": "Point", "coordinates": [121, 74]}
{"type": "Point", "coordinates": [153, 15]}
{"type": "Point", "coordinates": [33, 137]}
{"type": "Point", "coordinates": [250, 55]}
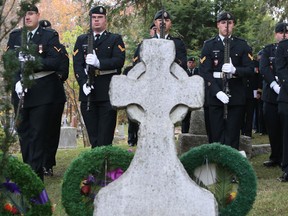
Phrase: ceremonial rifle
{"type": "Point", "coordinates": [226, 76]}
{"type": "Point", "coordinates": [24, 53]}
{"type": "Point", "coordinates": [163, 25]}
{"type": "Point", "coordinates": [89, 69]}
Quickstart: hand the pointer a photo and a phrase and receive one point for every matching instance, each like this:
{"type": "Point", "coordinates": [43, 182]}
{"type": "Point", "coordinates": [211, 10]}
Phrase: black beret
{"type": "Point", "coordinates": [224, 15]}
{"type": "Point", "coordinates": [191, 59]}
{"type": "Point", "coordinates": [31, 7]}
{"type": "Point", "coordinates": [97, 10]}
{"type": "Point", "coordinates": [280, 27]}
{"type": "Point", "coordinates": [45, 24]}
{"type": "Point", "coordinates": [158, 15]}
{"type": "Point", "coordinates": [152, 25]}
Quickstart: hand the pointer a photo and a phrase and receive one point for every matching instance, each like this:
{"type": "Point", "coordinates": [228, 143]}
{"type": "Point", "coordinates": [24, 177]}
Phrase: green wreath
{"type": "Point", "coordinates": [31, 187]}
{"type": "Point", "coordinates": [87, 163]}
{"type": "Point", "coordinates": [231, 159]}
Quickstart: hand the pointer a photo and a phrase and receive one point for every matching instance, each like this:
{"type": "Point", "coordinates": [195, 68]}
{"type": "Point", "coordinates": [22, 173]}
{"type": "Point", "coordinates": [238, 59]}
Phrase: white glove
{"type": "Point", "coordinates": [93, 60]}
{"type": "Point", "coordinates": [222, 97]}
{"type": "Point", "coordinates": [87, 89]}
{"type": "Point", "coordinates": [19, 89]}
{"type": "Point", "coordinates": [274, 85]}
{"type": "Point", "coordinates": [229, 67]}
{"type": "Point", "coordinates": [25, 58]}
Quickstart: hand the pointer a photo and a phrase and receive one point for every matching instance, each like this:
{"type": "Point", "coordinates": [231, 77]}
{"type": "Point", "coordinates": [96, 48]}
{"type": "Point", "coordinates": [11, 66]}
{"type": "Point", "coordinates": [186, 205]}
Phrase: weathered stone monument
{"type": "Point", "coordinates": [68, 139]}
{"type": "Point", "coordinates": [157, 93]}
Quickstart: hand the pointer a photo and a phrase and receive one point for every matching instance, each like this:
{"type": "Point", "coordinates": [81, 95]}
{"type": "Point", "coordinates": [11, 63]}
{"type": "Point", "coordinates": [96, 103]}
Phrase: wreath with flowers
{"type": "Point", "coordinates": [240, 202]}
{"type": "Point", "coordinates": [20, 183]}
{"type": "Point", "coordinates": [87, 174]}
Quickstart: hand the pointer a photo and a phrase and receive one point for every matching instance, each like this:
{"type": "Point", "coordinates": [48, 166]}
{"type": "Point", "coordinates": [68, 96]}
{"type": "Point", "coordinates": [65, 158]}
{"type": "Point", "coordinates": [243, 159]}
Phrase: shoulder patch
{"type": "Point", "coordinates": [58, 50]}
{"type": "Point", "coordinates": [121, 48]}
{"type": "Point", "coordinates": [202, 60]}
{"type": "Point", "coordinates": [75, 52]}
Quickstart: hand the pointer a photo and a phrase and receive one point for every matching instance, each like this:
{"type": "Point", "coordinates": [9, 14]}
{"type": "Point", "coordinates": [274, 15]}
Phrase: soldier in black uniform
{"type": "Point", "coordinates": [62, 72]}
{"type": "Point", "coordinates": [44, 97]}
{"type": "Point", "coordinates": [270, 93]}
{"type": "Point", "coordinates": [107, 60]}
{"type": "Point", "coordinates": [212, 67]}
{"type": "Point", "coordinates": [191, 70]}
{"type": "Point", "coordinates": [181, 53]}
{"type": "Point", "coordinates": [282, 73]}
{"type": "Point", "coordinates": [252, 95]}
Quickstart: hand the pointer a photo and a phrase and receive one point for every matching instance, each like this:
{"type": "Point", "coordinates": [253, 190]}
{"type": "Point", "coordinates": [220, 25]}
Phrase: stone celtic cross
{"type": "Point", "coordinates": [157, 93]}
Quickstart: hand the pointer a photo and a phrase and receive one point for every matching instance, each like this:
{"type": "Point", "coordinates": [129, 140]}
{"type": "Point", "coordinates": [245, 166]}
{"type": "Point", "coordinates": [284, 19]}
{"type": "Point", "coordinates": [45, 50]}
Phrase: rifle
{"type": "Point", "coordinates": [226, 77]}
{"type": "Point", "coordinates": [89, 68]}
{"type": "Point", "coordinates": [163, 25]}
{"type": "Point", "coordinates": [23, 51]}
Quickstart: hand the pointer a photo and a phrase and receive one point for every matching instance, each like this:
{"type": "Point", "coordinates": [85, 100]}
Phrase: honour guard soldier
{"type": "Point", "coordinates": [226, 107]}
{"type": "Point", "coordinates": [107, 59]}
{"type": "Point", "coordinates": [270, 93]}
{"type": "Point", "coordinates": [282, 72]}
{"type": "Point", "coordinates": [62, 72]}
{"type": "Point", "coordinates": [45, 95]}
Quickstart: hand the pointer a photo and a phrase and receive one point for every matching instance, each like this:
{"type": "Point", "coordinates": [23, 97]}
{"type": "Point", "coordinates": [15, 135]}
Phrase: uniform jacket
{"type": "Point", "coordinates": [268, 72]}
{"type": "Point", "coordinates": [282, 70]}
{"type": "Point", "coordinates": [181, 52]}
{"type": "Point", "coordinates": [110, 51]}
{"type": "Point", "coordinates": [195, 71]}
{"type": "Point", "coordinates": [212, 59]}
{"type": "Point", "coordinates": [48, 89]}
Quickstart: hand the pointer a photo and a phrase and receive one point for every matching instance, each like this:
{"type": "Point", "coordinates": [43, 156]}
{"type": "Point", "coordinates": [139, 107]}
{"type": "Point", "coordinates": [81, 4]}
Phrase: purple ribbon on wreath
{"type": "Point", "coordinates": [11, 186]}
{"type": "Point", "coordinates": [41, 199]}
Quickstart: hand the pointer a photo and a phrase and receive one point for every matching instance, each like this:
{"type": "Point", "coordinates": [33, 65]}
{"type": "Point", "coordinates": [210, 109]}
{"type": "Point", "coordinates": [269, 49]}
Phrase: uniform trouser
{"type": "Point", "coordinates": [273, 127]}
{"type": "Point", "coordinates": [207, 123]}
{"type": "Point", "coordinates": [226, 131]}
{"type": "Point", "coordinates": [34, 132]}
{"type": "Point", "coordinates": [248, 117]}
{"type": "Point", "coordinates": [283, 112]}
{"type": "Point", "coordinates": [55, 129]}
{"type": "Point", "coordinates": [100, 122]}
{"type": "Point", "coordinates": [186, 123]}
{"type": "Point", "coordinates": [133, 128]}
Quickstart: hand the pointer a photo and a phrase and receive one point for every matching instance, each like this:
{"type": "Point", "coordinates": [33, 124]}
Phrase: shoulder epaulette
{"type": "Point", "coordinates": [210, 39]}
{"type": "Point", "coordinates": [238, 38]}
{"type": "Point", "coordinates": [285, 40]}
{"type": "Point", "coordinates": [16, 30]}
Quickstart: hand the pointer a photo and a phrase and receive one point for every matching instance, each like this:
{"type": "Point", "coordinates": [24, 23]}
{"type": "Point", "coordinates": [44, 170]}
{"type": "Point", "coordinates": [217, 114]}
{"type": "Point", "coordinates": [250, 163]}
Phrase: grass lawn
{"type": "Point", "coordinates": [271, 198]}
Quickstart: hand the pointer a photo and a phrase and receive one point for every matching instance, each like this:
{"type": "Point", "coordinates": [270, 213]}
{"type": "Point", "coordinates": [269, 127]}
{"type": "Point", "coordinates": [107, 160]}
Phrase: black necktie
{"type": "Point", "coordinates": [30, 35]}
{"type": "Point", "coordinates": [97, 37]}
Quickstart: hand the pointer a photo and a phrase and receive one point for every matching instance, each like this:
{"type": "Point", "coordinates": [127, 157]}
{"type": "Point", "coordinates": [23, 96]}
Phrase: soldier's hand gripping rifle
{"type": "Point", "coordinates": [90, 69]}
{"type": "Point", "coordinates": [226, 76]}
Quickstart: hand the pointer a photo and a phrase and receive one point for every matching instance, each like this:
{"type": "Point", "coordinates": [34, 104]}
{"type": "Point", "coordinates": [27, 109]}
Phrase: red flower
{"type": "Point", "coordinates": [86, 189]}
{"type": "Point", "coordinates": [8, 207]}
{"type": "Point", "coordinates": [14, 210]}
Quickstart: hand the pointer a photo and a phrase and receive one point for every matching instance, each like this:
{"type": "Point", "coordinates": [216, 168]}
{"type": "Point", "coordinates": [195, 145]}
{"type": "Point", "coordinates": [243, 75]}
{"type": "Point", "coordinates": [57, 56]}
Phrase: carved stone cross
{"type": "Point", "coordinates": [157, 93]}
